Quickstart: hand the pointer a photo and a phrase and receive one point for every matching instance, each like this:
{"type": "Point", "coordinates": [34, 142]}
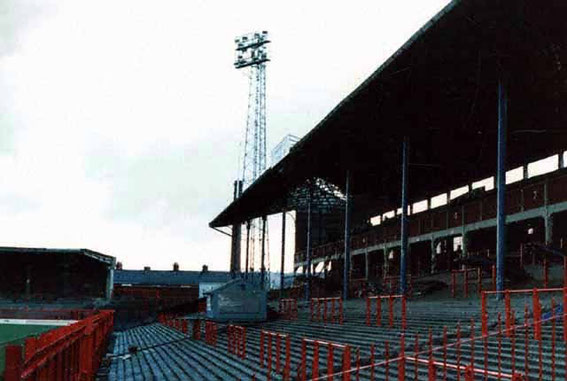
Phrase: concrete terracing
{"type": "Point", "coordinates": [167, 354]}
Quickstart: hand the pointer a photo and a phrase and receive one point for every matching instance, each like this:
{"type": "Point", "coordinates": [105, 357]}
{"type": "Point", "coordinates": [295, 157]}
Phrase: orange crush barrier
{"type": "Point", "coordinates": [237, 340]}
{"type": "Point", "coordinates": [267, 341]}
{"type": "Point", "coordinates": [427, 357]}
{"type": "Point", "coordinates": [288, 308]}
{"type": "Point", "coordinates": [465, 272]}
{"type": "Point", "coordinates": [182, 324]}
{"type": "Point", "coordinates": [196, 329]}
{"type": "Point", "coordinates": [331, 347]}
{"type": "Point", "coordinates": [378, 310]}
{"type": "Point", "coordinates": [211, 332]}
{"type": "Point", "coordinates": [324, 309]}
{"type": "Point", "coordinates": [177, 323]}
{"type": "Point", "coordinates": [536, 307]}
{"type": "Point", "coordinates": [67, 353]}
{"type": "Point", "coordinates": [470, 353]}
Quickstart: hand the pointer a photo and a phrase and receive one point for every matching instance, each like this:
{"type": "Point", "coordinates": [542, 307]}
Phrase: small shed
{"type": "Point", "coordinates": [237, 300]}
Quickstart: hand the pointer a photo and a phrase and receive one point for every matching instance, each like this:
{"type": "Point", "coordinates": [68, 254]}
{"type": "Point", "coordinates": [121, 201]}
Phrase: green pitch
{"type": "Point", "coordinates": [16, 334]}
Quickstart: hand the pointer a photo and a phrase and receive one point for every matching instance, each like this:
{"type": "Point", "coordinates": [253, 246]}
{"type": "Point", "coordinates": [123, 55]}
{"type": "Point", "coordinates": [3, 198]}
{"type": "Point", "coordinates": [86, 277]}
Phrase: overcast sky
{"type": "Point", "coordinates": [121, 121]}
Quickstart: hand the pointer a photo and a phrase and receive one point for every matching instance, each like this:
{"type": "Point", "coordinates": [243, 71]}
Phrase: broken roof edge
{"type": "Point", "coordinates": [218, 222]}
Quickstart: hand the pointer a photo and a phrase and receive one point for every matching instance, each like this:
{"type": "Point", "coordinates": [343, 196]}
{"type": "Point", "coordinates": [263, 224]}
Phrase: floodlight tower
{"type": "Point", "coordinates": [252, 55]}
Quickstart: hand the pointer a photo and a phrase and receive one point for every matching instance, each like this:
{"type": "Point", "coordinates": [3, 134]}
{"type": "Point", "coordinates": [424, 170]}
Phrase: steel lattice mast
{"type": "Point", "coordinates": [252, 55]}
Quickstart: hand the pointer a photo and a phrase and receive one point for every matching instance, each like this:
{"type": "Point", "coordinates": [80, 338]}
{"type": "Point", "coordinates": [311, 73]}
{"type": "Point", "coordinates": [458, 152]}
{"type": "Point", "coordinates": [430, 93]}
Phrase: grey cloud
{"type": "Point", "coordinates": [15, 204]}
{"type": "Point", "coordinates": [15, 17]}
{"type": "Point", "coordinates": [168, 186]}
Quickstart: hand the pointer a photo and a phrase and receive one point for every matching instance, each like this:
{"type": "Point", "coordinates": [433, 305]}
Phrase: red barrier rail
{"type": "Point", "coordinates": [378, 309]}
{"type": "Point", "coordinates": [466, 277]}
{"type": "Point", "coordinates": [267, 341]}
{"type": "Point", "coordinates": [196, 329]}
{"type": "Point", "coordinates": [288, 308]}
{"type": "Point", "coordinates": [177, 323]}
{"type": "Point", "coordinates": [468, 363]}
{"type": "Point", "coordinates": [545, 272]}
{"type": "Point", "coordinates": [323, 309]}
{"type": "Point", "coordinates": [237, 340]}
{"type": "Point", "coordinates": [331, 347]}
{"type": "Point", "coordinates": [211, 332]}
{"type": "Point", "coordinates": [182, 324]}
{"type": "Point", "coordinates": [536, 306]}
{"type": "Point", "coordinates": [438, 369]}
{"type": "Point", "coordinates": [67, 353]}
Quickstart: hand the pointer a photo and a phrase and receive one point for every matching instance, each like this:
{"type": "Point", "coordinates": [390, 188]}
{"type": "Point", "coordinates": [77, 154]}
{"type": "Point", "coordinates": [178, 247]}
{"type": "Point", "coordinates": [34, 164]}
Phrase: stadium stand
{"type": "Point", "coordinates": [40, 275]}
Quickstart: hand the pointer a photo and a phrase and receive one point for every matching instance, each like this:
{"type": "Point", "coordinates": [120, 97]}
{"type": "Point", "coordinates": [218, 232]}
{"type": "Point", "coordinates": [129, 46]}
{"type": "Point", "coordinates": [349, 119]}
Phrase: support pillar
{"type": "Point", "coordinates": [501, 186]}
{"type": "Point", "coordinates": [236, 236]}
{"type": "Point", "coordinates": [548, 221]}
{"type": "Point", "coordinates": [433, 256]}
{"type": "Point", "coordinates": [110, 281]}
{"type": "Point", "coordinates": [28, 281]}
{"type": "Point", "coordinates": [247, 248]}
{"type": "Point", "coordinates": [64, 269]}
{"type": "Point", "coordinates": [308, 249]}
{"type": "Point", "coordinates": [262, 266]}
{"type": "Point", "coordinates": [464, 244]}
{"type": "Point", "coordinates": [525, 172]}
{"type": "Point", "coordinates": [283, 256]}
{"type": "Point", "coordinates": [386, 265]}
{"type": "Point", "coordinates": [404, 219]}
{"type": "Point", "coordinates": [346, 267]}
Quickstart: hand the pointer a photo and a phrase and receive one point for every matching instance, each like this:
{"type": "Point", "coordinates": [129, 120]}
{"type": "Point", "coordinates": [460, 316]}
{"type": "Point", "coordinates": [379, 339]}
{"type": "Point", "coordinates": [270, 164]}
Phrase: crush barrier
{"type": "Point", "coordinates": [503, 353]}
{"type": "Point", "coordinates": [288, 308]}
{"type": "Point", "coordinates": [330, 363]}
{"type": "Point", "coordinates": [268, 340]}
{"type": "Point", "coordinates": [171, 321]}
{"type": "Point", "coordinates": [466, 274]}
{"type": "Point", "coordinates": [71, 352]}
{"type": "Point", "coordinates": [545, 262]}
{"type": "Point", "coordinates": [377, 311]}
{"type": "Point", "coordinates": [534, 295]}
{"type": "Point", "coordinates": [211, 335]}
{"type": "Point", "coordinates": [327, 310]}
{"type": "Point", "coordinates": [196, 330]}
{"type": "Point", "coordinates": [182, 325]}
{"type": "Point", "coordinates": [545, 272]}
{"type": "Point", "coordinates": [237, 340]}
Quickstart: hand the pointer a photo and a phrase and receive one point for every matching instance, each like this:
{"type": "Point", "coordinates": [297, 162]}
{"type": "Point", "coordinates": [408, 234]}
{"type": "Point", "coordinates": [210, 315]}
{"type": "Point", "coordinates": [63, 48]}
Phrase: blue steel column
{"type": "Point", "coordinates": [501, 186]}
{"type": "Point", "coordinates": [283, 256]}
{"type": "Point", "coordinates": [308, 249]}
{"type": "Point", "coordinates": [346, 267]}
{"type": "Point", "coordinates": [247, 247]}
{"type": "Point", "coordinates": [404, 227]}
{"type": "Point", "coordinates": [263, 267]}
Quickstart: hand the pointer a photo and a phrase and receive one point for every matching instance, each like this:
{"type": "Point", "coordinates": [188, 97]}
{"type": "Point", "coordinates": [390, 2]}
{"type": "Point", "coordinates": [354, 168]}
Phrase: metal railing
{"type": "Point", "coordinates": [72, 352]}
